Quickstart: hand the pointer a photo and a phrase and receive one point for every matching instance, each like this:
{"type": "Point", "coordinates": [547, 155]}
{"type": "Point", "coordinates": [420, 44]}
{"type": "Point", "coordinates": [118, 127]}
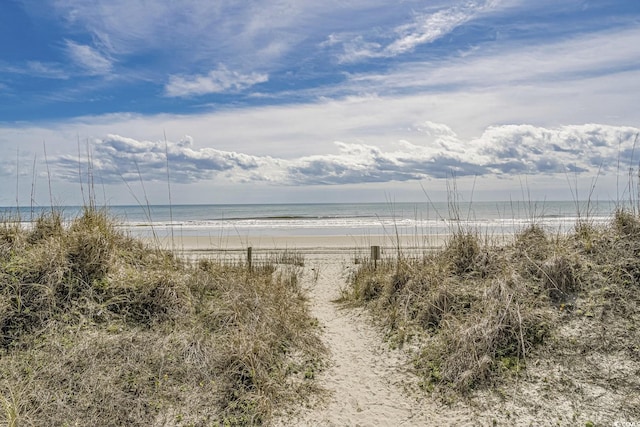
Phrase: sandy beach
{"type": "Point", "coordinates": [322, 243]}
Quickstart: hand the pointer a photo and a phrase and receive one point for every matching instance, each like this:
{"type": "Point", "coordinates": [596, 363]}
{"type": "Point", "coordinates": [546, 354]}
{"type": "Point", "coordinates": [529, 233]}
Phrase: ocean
{"type": "Point", "coordinates": [343, 219]}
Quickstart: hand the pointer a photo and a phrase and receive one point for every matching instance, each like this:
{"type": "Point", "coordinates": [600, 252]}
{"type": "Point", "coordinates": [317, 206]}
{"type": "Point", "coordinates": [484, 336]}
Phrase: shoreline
{"type": "Point", "coordinates": [295, 242]}
{"type": "Point", "coordinates": [231, 243]}
{"type": "Point", "coordinates": [342, 246]}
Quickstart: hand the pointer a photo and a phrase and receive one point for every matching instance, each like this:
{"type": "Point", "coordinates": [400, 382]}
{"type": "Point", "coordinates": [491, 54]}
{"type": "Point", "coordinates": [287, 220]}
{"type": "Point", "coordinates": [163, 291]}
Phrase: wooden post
{"type": "Point", "coordinates": [249, 250]}
{"type": "Point", "coordinates": [375, 255]}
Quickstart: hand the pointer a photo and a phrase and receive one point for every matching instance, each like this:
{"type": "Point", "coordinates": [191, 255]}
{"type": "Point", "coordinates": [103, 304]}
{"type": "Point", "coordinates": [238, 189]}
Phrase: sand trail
{"type": "Point", "coordinates": [363, 377]}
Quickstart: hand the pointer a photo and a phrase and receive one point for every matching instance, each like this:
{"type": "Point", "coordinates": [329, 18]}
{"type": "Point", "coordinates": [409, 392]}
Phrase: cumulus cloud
{"type": "Point", "coordinates": [116, 158]}
{"type": "Point", "coordinates": [88, 58]}
{"type": "Point", "coordinates": [359, 163]}
{"type": "Point", "coordinates": [526, 149]}
{"type": "Point", "coordinates": [219, 80]}
{"type": "Point", "coordinates": [500, 151]}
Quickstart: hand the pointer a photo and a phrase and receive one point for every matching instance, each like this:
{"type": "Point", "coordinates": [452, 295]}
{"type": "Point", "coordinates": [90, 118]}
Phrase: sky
{"type": "Point", "coordinates": [285, 101]}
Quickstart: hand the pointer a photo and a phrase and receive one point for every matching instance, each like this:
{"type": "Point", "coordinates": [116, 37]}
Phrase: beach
{"type": "Point", "coordinates": [369, 379]}
{"type": "Point", "coordinates": [367, 382]}
{"type": "Point", "coordinates": [356, 336]}
{"type": "Point", "coordinates": [327, 244]}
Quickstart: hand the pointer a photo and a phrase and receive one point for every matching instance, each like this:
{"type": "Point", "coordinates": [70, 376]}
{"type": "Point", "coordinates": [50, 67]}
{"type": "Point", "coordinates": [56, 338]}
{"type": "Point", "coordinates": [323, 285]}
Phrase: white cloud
{"type": "Point", "coordinates": [384, 143]}
{"type": "Point", "coordinates": [192, 32]}
{"type": "Point", "coordinates": [500, 151]}
{"type": "Point", "coordinates": [425, 28]}
{"type": "Point", "coordinates": [40, 69]}
{"type": "Point", "coordinates": [391, 124]}
{"type": "Point", "coordinates": [529, 149]}
{"type": "Point", "coordinates": [88, 58]}
{"type": "Point", "coordinates": [46, 70]}
{"type": "Point", "coordinates": [219, 80]}
{"type": "Point", "coordinates": [123, 25]}
{"type": "Point", "coordinates": [117, 158]}
{"type": "Point", "coordinates": [261, 32]}
{"type": "Point", "coordinates": [581, 57]}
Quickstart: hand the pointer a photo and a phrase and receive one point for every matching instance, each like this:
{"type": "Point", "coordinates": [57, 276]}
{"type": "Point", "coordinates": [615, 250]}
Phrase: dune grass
{"type": "Point", "coordinates": [98, 329]}
{"type": "Point", "coordinates": [475, 314]}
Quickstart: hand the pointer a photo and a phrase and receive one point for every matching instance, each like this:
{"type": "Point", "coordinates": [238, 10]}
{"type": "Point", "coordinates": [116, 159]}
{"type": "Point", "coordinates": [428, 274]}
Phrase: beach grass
{"type": "Point", "coordinates": [476, 314]}
{"type": "Point", "coordinates": [97, 328]}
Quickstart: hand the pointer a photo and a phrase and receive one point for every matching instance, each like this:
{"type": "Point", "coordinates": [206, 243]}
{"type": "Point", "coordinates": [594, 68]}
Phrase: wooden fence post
{"type": "Point", "coordinates": [375, 255]}
{"type": "Point", "coordinates": [249, 250]}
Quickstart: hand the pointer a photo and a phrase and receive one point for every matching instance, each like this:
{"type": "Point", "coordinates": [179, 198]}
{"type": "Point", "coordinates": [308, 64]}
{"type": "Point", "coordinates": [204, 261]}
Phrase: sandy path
{"type": "Point", "coordinates": [364, 378]}
{"type": "Point", "coordinates": [363, 375]}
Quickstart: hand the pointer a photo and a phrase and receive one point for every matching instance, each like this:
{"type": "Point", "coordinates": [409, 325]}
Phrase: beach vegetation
{"type": "Point", "coordinates": [97, 328]}
{"type": "Point", "coordinates": [476, 312]}
{"type": "Point", "coordinates": [287, 257]}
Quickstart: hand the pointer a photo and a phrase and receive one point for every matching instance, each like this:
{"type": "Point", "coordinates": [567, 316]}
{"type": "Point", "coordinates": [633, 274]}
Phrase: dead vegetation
{"type": "Point", "coordinates": [97, 329]}
{"type": "Point", "coordinates": [548, 312]}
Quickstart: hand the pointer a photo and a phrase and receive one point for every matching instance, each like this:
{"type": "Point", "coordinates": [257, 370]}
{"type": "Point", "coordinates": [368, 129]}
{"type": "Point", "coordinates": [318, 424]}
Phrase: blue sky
{"type": "Point", "coordinates": [285, 101]}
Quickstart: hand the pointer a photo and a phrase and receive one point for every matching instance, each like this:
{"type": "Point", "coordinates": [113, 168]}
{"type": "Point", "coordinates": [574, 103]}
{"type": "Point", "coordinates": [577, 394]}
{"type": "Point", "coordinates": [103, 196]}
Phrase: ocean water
{"type": "Point", "coordinates": [493, 218]}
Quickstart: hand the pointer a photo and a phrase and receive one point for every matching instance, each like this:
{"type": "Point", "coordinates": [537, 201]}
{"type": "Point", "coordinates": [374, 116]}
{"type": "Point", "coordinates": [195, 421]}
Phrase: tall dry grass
{"type": "Point", "coordinates": [475, 313]}
{"type": "Point", "coordinates": [98, 329]}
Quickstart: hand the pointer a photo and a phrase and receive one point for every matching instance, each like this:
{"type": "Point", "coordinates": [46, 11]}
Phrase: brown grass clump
{"type": "Point", "coordinates": [462, 251]}
{"type": "Point", "coordinates": [532, 243]}
{"type": "Point", "coordinates": [45, 226]}
{"type": "Point", "coordinates": [97, 329]}
{"type": "Point", "coordinates": [559, 277]}
{"type": "Point", "coordinates": [465, 324]}
{"type": "Point", "coordinates": [626, 223]}
{"type": "Point", "coordinates": [477, 314]}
